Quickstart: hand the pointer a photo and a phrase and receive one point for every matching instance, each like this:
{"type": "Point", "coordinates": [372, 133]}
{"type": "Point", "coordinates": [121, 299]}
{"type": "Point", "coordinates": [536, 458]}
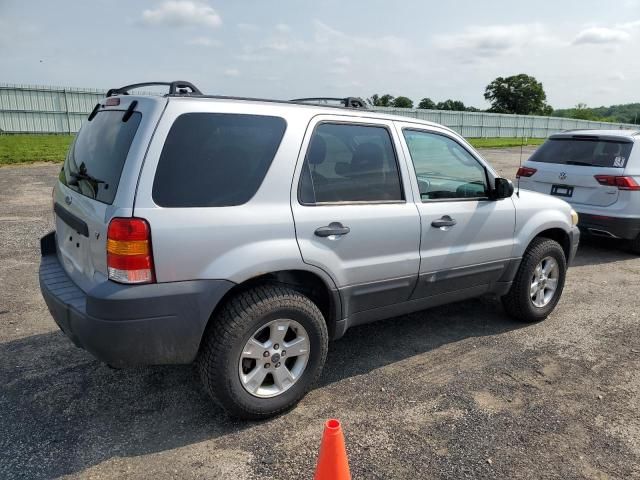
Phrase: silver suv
{"type": "Point", "coordinates": [243, 234]}
{"type": "Point", "coordinates": [598, 173]}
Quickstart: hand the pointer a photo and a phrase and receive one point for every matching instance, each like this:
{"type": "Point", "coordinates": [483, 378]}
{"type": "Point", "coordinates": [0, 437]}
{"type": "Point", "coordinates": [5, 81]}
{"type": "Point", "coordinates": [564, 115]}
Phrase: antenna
{"type": "Point", "coordinates": [520, 164]}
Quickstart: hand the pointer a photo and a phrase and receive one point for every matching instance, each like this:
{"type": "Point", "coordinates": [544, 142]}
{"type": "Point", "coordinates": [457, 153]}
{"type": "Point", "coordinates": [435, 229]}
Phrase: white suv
{"type": "Point", "coordinates": [598, 173]}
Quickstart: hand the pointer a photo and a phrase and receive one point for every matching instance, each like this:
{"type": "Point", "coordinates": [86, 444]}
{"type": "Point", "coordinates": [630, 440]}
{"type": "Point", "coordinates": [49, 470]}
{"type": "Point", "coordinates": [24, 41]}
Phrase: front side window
{"type": "Point", "coordinates": [444, 169]}
{"type": "Point", "coordinates": [215, 159]}
{"type": "Point", "coordinates": [350, 163]}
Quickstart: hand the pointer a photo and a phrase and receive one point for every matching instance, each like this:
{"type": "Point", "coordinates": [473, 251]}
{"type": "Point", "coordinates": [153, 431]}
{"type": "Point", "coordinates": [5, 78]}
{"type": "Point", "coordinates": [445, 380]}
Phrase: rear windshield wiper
{"type": "Point", "coordinates": [85, 176]}
{"type": "Point", "coordinates": [575, 162]}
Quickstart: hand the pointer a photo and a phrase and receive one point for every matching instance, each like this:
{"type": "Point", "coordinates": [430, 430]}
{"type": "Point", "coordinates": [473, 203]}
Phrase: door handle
{"type": "Point", "coordinates": [334, 228]}
{"type": "Point", "coordinates": [445, 221]}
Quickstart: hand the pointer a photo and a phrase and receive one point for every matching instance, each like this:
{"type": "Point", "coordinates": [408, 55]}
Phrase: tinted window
{"type": "Point", "coordinates": [350, 163]}
{"type": "Point", "coordinates": [96, 157]}
{"type": "Point", "coordinates": [215, 159]}
{"type": "Point", "coordinates": [585, 151]}
{"type": "Point", "coordinates": [444, 168]}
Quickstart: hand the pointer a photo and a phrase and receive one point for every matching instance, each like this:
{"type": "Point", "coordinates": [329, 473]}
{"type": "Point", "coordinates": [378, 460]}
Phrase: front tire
{"type": "Point", "coordinates": [263, 352]}
{"type": "Point", "coordinates": [539, 282]}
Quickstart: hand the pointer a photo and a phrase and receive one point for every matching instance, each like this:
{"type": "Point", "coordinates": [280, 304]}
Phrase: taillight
{"type": "Point", "coordinates": [623, 183]}
{"type": "Point", "coordinates": [525, 172]}
{"type": "Point", "coordinates": [129, 254]}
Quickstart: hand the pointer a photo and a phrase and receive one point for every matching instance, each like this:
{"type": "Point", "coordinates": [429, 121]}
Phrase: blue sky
{"type": "Point", "coordinates": [582, 51]}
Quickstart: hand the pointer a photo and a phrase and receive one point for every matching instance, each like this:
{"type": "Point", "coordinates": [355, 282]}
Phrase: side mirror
{"type": "Point", "coordinates": [503, 188]}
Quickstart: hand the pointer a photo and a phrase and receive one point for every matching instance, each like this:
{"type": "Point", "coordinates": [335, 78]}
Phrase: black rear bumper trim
{"type": "Point", "coordinates": [616, 227]}
{"type": "Point", "coordinates": [127, 325]}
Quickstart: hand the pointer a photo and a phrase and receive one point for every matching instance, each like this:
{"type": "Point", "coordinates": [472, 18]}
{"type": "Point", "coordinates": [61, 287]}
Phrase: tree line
{"type": "Point", "coordinates": [627, 113]}
{"type": "Point", "coordinates": [518, 94]}
{"type": "Point", "coordinates": [521, 94]}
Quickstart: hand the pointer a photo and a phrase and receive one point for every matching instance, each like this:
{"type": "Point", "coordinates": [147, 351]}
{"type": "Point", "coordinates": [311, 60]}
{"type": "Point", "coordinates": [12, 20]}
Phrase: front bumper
{"type": "Point", "coordinates": [613, 227]}
{"type": "Point", "coordinates": [127, 325]}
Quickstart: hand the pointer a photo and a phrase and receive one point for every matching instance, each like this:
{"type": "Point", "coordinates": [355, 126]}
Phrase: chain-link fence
{"type": "Point", "coordinates": [43, 109]}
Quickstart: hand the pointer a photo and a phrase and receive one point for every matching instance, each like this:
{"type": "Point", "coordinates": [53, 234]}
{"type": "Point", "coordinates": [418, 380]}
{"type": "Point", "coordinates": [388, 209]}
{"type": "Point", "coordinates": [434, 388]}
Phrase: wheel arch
{"type": "Point", "coordinates": [319, 289]}
{"type": "Point", "coordinates": [559, 235]}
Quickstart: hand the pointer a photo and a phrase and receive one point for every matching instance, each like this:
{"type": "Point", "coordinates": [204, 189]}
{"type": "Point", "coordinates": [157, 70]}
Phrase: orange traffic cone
{"type": "Point", "coordinates": [332, 460]}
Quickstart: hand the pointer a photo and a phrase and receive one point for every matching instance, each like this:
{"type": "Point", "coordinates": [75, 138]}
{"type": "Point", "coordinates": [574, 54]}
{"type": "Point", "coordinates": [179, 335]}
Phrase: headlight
{"type": "Point", "coordinates": [574, 217]}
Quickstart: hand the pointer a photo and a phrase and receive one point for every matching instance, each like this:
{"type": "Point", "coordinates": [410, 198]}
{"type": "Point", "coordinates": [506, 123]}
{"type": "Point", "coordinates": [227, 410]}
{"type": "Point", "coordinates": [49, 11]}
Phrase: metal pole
{"type": "Point", "coordinates": [66, 109]}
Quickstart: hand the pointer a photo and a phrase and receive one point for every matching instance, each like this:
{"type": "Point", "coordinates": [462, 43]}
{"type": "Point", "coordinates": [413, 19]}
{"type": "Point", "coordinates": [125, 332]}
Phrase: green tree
{"type": "Point", "coordinates": [454, 105]}
{"type": "Point", "coordinates": [521, 94]}
{"type": "Point", "coordinates": [402, 102]}
{"type": "Point", "coordinates": [582, 112]}
{"type": "Point", "coordinates": [385, 100]}
{"type": "Point", "coordinates": [427, 104]}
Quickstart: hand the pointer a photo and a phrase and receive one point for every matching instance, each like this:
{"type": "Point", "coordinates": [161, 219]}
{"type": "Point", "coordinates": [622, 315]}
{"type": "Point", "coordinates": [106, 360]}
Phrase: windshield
{"type": "Point", "coordinates": [585, 151]}
{"type": "Point", "coordinates": [96, 157]}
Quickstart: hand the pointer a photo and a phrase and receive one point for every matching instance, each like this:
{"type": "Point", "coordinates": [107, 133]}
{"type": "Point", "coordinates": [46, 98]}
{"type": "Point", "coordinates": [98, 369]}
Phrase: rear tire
{"type": "Point", "coordinates": [531, 298]}
{"type": "Point", "coordinates": [247, 383]}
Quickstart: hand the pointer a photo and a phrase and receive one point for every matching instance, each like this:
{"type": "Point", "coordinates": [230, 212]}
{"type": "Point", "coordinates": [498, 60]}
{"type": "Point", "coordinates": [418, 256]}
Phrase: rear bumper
{"type": "Point", "coordinates": [125, 325]}
{"type": "Point", "coordinates": [605, 226]}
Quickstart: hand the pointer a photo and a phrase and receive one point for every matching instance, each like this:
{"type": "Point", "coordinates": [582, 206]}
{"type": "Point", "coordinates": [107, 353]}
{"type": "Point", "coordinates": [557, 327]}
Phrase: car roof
{"type": "Point", "coordinates": [611, 134]}
{"type": "Point", "coordinates": [313, 109]}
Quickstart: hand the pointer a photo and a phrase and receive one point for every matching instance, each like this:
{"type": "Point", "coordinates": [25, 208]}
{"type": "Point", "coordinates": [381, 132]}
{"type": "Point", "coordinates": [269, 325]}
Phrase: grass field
{"type": "Point", "coordinates": [33, 148]}
{"type": "Point", "coordinates": [16, 149]}
{"type": "Point", "coordinates": [503, 142]}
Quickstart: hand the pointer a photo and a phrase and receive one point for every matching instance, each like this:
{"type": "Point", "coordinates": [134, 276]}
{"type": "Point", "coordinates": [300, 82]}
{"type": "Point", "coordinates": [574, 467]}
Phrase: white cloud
{"type": "Point", "coordinates": [231, 72]}
{"type": "Point", "coordinates": [344, 61]}
{"type": "Point", "coordinates": [616, 76]}
{"type": "Point", "coordinates": [283, 28]}
{"type": "Point", "coordinates": [600, 35]}
{"type": "Point", "coordinates": [248, 27]}
{"type": "Point", "coordinates": [204, 42]}
{"type": "Point", "coordinates": [326, 35]}
{"type": "Point", "coordinates": [180, 13]}
{"type": "Point", "coordinates": [492, 40]}
{"type": "Point", "coordinates": [629, 25]}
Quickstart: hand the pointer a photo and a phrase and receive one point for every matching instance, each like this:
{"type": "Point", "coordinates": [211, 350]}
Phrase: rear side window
{"type": "Point", "coordinates": [585, 151]}
{"type": "Point", "coordinates": [350, 163]}
{"type": "Point", "coordinates": [215, 159]}
{"type": "Point", "coordinates": [96, 158]}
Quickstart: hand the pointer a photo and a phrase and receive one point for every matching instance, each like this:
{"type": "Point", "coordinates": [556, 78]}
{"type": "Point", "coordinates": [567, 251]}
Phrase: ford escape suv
{"type": "Point", "coordinates": [243, 234]}
{"type": "Point", "coordinates": [598, 173]}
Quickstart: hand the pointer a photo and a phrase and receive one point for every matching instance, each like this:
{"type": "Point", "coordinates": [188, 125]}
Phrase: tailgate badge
{"type": "Point", "coordinates": [562, 176]}
{"type": "Point", "coordinates": [68, 200]}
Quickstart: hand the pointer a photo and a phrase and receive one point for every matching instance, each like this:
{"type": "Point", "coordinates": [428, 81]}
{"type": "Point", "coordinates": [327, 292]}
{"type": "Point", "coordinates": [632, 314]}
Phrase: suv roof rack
{"type": "Point", "coordinates": [177, 87]}
{"type": "Point", "coordinates": [349, 102]}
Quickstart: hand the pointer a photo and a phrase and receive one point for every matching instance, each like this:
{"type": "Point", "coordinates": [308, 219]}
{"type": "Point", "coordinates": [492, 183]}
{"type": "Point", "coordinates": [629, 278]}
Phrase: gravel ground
{"type": "Point", "coordinates": [459, 391]}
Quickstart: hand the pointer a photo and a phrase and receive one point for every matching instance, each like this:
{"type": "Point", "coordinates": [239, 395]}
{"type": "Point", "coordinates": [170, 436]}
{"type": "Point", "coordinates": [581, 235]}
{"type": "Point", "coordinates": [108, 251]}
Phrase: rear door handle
{"type": "Point", "coordinates": [334, 228]}
{"type": "Point", "coordinates": [445, 221]}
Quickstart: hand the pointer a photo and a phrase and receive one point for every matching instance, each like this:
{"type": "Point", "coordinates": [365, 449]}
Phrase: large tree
{"type": "Point", "coordinates": [454, 105]}
{"type": "Point", "coordinates": [402, 102]}
{"type": "Point", "coordinates": [521, 94]}
{"type": "Point", "coordinates": [427, 104]}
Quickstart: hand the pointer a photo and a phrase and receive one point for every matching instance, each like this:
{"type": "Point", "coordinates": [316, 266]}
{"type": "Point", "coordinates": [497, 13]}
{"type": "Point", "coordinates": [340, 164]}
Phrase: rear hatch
{"type": "Point", "coordinates": [566, 166]}
{"type": "Point", "coordinates": [97, 182]}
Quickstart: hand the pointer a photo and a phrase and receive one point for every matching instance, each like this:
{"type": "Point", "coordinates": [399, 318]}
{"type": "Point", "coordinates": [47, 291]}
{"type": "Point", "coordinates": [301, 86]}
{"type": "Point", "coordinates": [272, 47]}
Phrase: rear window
{"type": "Point", "coordinates": [215, 159]}
{"type": "Point", "coordinates": [590, 152]}
{"type": "Point", "coordinates": [96, 157]}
